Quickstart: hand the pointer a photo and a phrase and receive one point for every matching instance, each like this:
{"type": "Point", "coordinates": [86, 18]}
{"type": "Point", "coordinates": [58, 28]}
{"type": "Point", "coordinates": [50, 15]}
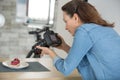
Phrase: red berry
{"type": "Point", "coordinates": [15, 61]}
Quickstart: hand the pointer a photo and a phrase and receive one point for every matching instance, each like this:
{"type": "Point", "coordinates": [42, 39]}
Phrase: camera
{"type": "Point", "coordinates": [50, 38]}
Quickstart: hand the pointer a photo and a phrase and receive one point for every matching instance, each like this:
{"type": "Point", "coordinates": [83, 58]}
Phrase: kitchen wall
{"type": "Point", "coordinates": [14, 37]}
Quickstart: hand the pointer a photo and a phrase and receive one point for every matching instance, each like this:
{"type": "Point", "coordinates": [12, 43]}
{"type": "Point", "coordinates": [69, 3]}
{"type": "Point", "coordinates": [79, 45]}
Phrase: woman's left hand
{"type": "Point", "coordinates": [47, 51]}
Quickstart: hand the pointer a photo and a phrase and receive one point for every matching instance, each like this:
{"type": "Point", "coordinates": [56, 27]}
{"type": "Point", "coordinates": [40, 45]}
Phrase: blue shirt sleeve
{"type": "Point", "coordinates": [81, 45]}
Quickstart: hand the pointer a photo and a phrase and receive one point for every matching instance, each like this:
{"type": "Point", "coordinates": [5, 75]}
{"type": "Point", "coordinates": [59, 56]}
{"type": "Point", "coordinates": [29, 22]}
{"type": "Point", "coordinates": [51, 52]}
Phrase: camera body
{"type": "Point", "coordinates": [50, 38]}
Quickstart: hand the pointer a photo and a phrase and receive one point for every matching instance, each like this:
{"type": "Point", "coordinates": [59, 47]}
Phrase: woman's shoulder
{"type": "Point", "coordinates": [89, 26]}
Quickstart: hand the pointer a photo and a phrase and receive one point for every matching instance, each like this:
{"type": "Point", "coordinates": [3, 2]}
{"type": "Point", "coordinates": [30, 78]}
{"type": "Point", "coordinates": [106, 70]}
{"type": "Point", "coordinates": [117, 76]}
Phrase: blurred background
{"type": "Point", "coordinates": [22, 16]}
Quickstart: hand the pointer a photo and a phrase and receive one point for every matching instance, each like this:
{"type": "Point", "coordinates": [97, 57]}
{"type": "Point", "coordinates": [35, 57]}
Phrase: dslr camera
{"type": "Point", "coordinates": [50, 38]}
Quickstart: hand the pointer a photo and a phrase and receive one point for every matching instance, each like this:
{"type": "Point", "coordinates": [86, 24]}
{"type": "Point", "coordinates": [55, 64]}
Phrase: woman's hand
{"type": "Point", "coordinates": [47, 51]}
{"type": "Point", "coordinates": [63, 45]}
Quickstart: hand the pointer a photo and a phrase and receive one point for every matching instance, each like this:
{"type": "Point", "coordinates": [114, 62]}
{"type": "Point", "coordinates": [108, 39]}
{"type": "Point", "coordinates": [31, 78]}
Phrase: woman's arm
{"type": "Point", "coordinates": [81, 45]}
{"type": "Point", "coordinates": [64, 46]}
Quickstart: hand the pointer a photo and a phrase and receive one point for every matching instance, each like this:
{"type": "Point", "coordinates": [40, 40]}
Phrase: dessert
{"type": "Point", "coordinates": [15, 62]}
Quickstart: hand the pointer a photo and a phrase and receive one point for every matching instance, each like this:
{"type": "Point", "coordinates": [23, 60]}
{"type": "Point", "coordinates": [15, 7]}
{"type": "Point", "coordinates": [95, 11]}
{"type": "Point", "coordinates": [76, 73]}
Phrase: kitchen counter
{"type": "Point", "coordinates": [53, 74]}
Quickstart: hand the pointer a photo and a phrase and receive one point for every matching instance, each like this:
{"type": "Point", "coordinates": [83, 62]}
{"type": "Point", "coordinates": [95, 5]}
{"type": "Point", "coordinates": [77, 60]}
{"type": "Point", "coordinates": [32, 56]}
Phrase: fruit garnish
{"type": "Point", "coordinates": [15, 61]}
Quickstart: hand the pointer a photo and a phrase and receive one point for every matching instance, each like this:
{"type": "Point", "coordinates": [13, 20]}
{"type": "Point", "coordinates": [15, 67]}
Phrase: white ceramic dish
{"type": "Point", "coordinates": [8, 64]}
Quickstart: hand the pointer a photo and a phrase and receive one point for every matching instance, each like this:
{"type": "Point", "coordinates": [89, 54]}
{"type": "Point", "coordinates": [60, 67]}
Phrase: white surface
{"type": "Point", "coordinates": [8, 64]}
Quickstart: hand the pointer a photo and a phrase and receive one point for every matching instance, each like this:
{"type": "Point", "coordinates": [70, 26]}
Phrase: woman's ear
{"type": "Point", "coordinates": [76, 17]}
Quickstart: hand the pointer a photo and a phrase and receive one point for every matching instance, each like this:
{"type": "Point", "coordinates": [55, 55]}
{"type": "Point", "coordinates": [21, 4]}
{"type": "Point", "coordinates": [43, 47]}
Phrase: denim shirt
{"type": "Point", "coordinates": [95, 53]}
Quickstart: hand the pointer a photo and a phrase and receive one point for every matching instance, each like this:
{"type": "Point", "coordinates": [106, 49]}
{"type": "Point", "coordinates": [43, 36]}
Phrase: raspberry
{"type": "Point", "coordinates": [15, 61]}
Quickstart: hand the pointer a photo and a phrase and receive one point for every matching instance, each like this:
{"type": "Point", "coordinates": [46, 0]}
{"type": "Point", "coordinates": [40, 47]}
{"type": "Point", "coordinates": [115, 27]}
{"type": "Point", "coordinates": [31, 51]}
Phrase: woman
{"type": "Point", "coordinates": [95, 51]}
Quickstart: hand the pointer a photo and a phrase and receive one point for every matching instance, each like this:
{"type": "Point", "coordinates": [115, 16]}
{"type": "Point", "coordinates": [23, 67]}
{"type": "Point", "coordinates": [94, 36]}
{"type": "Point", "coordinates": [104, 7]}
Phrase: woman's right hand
{"type": "Point", "coordinates": [64, 46]}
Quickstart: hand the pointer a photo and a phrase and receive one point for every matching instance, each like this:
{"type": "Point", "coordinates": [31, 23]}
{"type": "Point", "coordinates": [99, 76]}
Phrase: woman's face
{"type": "Point", "coordinates": [71, 22]}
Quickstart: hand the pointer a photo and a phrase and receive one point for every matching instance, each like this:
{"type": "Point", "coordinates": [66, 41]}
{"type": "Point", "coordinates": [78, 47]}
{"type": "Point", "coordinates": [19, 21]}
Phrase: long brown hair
{"type": "Point", "coordinates": [86, 12]}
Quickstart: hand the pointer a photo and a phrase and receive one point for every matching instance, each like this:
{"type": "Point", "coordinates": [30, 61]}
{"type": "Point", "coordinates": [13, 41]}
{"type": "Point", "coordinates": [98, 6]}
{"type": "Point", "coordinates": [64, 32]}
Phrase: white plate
{"type": "Point", "coordinates": [8, 64]}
